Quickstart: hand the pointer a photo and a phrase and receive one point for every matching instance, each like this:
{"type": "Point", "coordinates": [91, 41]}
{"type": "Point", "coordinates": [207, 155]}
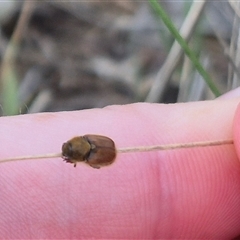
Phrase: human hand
{"type": "Point", "coordinates": [184, 193]}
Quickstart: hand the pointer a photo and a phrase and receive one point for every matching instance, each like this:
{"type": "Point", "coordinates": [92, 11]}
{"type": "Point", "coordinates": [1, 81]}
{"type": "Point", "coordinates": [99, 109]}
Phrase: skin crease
{"type": "Point", "coordinates": [187, 193]}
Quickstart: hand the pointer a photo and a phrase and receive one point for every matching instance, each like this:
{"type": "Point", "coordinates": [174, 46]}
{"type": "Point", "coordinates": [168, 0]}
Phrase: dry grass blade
{"type": "Point", "coordinates": [235, 41]}
{"type": "Point", "coordinates": [184, 80]}
{"type": "Point", "coordinates": [175, 53]}
{"type": "Point", "coordinates": [235, 7]}
{"type": "Point", "coordinates": [229, 51]}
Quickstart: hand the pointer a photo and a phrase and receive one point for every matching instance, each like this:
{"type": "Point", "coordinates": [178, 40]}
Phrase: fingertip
{"type": "Point", "coordinates": [235, 93]}
{"type": "Point", "coordinates": [236, 130]}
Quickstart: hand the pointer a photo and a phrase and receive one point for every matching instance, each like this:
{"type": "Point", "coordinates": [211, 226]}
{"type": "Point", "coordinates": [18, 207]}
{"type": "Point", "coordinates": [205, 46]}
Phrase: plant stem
{"type": "Point", "coordinates": [175, 146]}
{"type": "Point", "coordinates": [132, 149]}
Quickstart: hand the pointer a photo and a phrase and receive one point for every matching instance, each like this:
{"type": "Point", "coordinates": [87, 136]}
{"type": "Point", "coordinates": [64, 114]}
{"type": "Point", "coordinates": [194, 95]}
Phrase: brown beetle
{"type": "Point", "coordinates": [95, 150]}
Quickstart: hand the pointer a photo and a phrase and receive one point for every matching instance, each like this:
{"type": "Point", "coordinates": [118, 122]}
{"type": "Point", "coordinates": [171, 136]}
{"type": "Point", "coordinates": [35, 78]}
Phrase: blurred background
{"type": "Point", "coordinates": [68, 55]}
